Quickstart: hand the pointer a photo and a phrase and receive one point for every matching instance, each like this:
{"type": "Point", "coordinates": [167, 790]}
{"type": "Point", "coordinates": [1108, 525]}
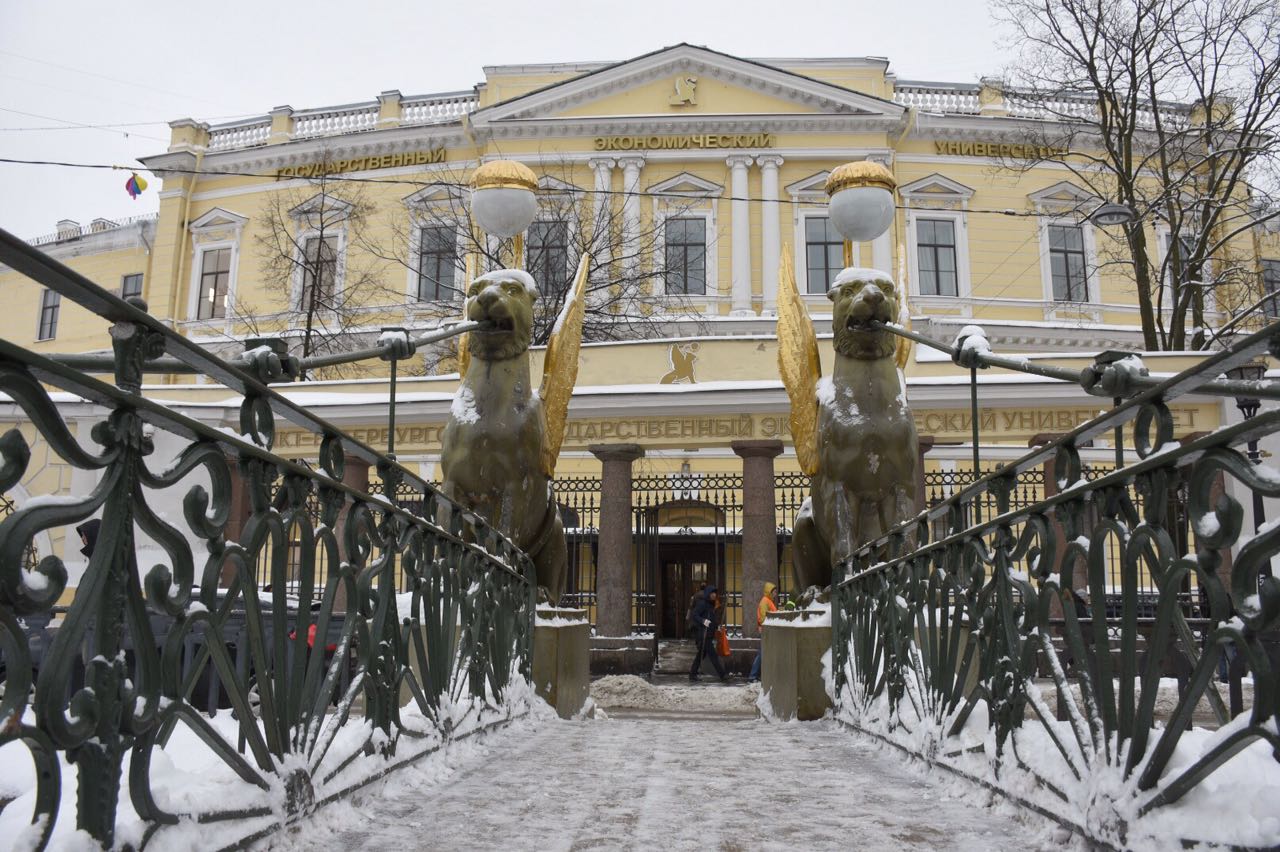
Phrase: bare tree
{"type": "Point", "coordinates": [304, 253]}
{"type": "Point", "coordinates": [1169, 107]}
{"type": "Point", "coordinates": [637, 279]}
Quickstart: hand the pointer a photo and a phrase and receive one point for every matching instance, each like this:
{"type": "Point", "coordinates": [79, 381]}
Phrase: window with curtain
{"type": "Point", "coordinates": [936, 253]}
{"type": "Point", "coordinates": [685, 247]}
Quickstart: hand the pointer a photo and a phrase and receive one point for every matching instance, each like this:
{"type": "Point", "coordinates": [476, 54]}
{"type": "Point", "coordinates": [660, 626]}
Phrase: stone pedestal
{"type": "Point", "coordinates": [614, 564]}
{"type": "Point", "coordinates": [759, 526]}
{"type": "Point", "coordinates": [791, 672]}
{"type": "Point", "coordinates": [561, 659]}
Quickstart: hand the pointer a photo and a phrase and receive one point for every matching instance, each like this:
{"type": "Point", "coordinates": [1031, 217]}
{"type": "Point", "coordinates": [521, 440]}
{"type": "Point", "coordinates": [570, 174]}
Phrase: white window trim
{"type": "Point", "coordinates": [964, 293]}
{"type": "Point", "coordinates": [570, 242]}
{"type": "Point", "coordinates": [1093, 296]}
{"type": "Point", "coordinates": [415, 259]}
{"type": "Point", "coordinates": [801, 253]}
{"type": "Point", "coordinates": [1162, 247]}
{"type": "Point", "coordinates": [40, 316]}
{"type": "Point", "coordinates": [711, 295]}
{"type": "Point", "coordinates": [197, 270]}
{"type": "Point", "coordinates": [299, 262]}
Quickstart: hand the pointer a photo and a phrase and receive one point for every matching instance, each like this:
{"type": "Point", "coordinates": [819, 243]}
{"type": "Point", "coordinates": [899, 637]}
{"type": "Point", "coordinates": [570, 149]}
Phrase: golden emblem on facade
{"type": "Point", "coordinates": [682, 357]}
{"type": "Point", "coordinates": [685, 92]}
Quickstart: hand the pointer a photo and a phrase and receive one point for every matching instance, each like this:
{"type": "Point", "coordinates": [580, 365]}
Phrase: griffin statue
{"type": "Point", "coordinates": [503, 437]}
{"type": "Point", "coordinates": [853, 432]}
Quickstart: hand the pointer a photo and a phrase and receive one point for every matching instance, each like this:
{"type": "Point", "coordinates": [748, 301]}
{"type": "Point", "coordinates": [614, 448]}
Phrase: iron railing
{"type": "Point", "coordinates": [966, 645]}
{"type": "Point", "coordinates": [280, 658]}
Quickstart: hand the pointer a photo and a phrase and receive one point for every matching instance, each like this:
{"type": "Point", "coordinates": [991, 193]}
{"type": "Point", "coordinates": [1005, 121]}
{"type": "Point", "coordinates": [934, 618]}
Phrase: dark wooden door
{"type": "Point", "coordinates": [685, 567]}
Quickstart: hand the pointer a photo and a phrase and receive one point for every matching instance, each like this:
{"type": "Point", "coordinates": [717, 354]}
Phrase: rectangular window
{"type": "Point", "coordinates": [50, 302]}
{"type": "Point", "coordinates": [824, 253]}
{"type": "Point", "coordinates": [131, 285]}
{"type": "Point", "coordinates": [215, 273]}
{"type": "Point", "coordinates": [1067, 263]}
{"type": "Point", "coordinates": [936, 252]}
{"type": "Point", "coordinates": [686, 256]}
{"type": "Point", "coordinates": [437, 263]}
{"type": "Point", "coordinates": [319, 274]}
{"type": "Point", "coordinates": [547, 250]}
{"type": "Point", "coordinates": [1271, 285]}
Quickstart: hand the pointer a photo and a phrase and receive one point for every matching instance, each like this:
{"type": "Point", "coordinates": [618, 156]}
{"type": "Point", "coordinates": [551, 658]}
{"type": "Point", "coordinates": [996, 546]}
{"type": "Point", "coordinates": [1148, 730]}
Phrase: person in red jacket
{"type": "Point", "coordinates": [768, 604]}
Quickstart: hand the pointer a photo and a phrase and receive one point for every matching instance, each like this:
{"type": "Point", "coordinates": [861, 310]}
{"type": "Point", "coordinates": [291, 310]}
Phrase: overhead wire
{"type": "Point", "coordinates": [559, 190]}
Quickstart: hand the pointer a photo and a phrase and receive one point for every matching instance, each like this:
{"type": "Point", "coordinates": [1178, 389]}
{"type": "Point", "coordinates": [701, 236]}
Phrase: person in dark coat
{"type": "Point", "coordinates": [89, 535]}
{"type": "Point", "coordinates": [706, 618]}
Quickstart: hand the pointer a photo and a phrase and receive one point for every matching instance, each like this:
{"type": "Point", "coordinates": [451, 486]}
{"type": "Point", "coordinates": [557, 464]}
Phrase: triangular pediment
{"type": "Point", "coordinates": [686, 184]}
{"type": "Point", "coordinates": [436, 194]}
{"type": "Point", "coordinates": [1063, 194]}
{"type": "Point", "coordinates": [683, 82]}
{"type": "Point", "coordinates": [935, 186]}
{"type": "Point", "coordinates": [815, 184]}
{"type": "Point", "coordinates": [218, 218]}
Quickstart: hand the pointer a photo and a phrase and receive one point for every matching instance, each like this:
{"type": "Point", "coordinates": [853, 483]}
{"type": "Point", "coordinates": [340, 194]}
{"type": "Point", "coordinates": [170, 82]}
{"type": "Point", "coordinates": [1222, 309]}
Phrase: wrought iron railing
{"type": "Point", "coordinates": [969, 648]}
{"type": "Point", "coordinates": [280, 662]}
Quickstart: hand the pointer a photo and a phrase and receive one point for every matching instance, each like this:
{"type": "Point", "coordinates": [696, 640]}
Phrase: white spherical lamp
{"type": "Point", "coordinates": [503, 199]}
{"type": "Point", "coordinates": [861, 196]}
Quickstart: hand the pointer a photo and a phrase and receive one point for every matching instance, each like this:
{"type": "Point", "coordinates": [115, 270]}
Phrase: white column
{"type": "Point", "coordinates": [630, 205]}
{"type": "Point", "coordinates": [882, 254]}
{"type": "Point", "coordinates": [601, 204]}
{"type": "Point", "coordinates": [770, 236]}
{"type": "Point", "coordinates": [882, 246]}
{"type": "Point", "coordinates": [740, 209]}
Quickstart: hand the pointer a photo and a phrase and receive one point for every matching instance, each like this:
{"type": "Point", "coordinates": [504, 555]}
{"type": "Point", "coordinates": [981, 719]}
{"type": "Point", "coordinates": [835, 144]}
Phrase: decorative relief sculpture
{"type": "Point", "coordinates": [853, 432]}
{"type": "Point", "coordinates": [503, 437]}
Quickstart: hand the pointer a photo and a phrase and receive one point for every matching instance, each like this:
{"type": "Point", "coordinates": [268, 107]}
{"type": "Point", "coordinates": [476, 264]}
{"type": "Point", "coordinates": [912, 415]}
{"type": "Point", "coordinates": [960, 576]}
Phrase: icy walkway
{"type": "Point", "coordinates": [671, 784]}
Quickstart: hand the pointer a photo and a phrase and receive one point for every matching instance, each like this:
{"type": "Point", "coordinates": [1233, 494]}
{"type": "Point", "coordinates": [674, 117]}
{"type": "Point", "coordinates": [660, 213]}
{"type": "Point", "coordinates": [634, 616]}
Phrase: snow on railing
{"type": "Point", "coordinates": [961, 98]}
{"type": "Point", "coordinates": [84, 230]}
{"type": "Point", "coordinates": [437, 109]}
{"type": "Point", "coordinates": [335, 121]}
{"type": "Point", "coordinates": [241, 134]}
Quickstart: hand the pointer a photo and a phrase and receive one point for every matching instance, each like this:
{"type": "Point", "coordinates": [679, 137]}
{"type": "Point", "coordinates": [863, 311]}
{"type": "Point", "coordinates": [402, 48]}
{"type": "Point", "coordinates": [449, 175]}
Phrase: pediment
{"type": "Point", "coordinates": [551, 185]}
{"type": "Point", "coordinates": [935, 186]}
{"type": "Point", "coordinates": [682, 82]}
{"type": "Point", "coordinates": [322, 204]}
{"type": "Point", "coordinates": [686, 184]}
{"type": "Point", "coordinates": [217, 219]}
{"type": "Point", "coordinates": [815, 184]}
{"type": "Point", "coordinates": [1062, 194]}
{"type": "Point", "coordinates": [434, 195]}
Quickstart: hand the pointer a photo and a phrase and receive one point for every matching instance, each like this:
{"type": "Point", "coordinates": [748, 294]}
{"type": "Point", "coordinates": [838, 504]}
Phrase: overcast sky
{"type": "Point", "coordinates": [145, 63]}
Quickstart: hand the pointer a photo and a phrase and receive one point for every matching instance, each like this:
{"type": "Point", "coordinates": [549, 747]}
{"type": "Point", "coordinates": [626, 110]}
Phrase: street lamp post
{"type": "Point", "coordinates": [1249, 405]}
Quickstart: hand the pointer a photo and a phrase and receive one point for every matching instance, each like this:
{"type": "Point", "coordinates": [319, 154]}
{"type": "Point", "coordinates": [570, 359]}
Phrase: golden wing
{"type": "Point", "coordinates": [560, 368]}
{"type": "Point", "coordinates": [799, 365]}
{"type": "Point", "coordinates": [464, 354]}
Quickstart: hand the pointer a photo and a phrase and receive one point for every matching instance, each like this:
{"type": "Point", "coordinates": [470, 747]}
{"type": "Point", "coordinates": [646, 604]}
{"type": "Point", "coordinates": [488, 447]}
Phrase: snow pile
{"type": "Point", "coordinates": [464, 408]}
{"type": "Point", "coordinates": [631, 692]}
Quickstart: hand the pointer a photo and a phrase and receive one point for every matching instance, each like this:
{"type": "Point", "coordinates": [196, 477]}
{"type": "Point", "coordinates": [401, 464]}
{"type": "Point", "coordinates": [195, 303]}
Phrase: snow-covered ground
{"type": "Point", "coordinates": [670, 784]}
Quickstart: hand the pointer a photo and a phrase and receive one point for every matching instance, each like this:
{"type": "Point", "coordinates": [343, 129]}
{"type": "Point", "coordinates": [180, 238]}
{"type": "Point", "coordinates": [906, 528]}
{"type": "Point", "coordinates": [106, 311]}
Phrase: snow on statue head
{"type": "Point", "coordinates": [862, 296]}
{"type": "Point", "coordinates": [503, 300]}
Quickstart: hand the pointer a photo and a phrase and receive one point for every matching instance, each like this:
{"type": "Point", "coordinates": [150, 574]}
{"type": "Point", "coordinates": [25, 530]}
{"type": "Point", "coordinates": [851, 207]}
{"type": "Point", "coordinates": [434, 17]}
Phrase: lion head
{"type": "Point", "coordinates": [503, 300]}
{"type": "Point", "coordinates": [860, 296]}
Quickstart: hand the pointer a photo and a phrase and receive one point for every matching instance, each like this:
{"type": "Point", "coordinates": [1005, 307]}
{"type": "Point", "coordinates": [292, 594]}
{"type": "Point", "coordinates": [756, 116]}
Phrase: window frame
{"type": "Point", "coordinates": [666, 248]}
{"type": "Point", "coordinates": [568, 250]}
{"type": "Point", "coordinates": [416, 272]}
{"type": "Point", "coordinates": [299, 263]}
{"type": "Point", "coordinates": [802, 240]}
{"type": "Point", "coordinates": [1164, 238]}
{"type": "Point", "coordinates": [1088, 242]}
{"type": "Point", "coordinates": [199, 275]}
{"type": "Point", "coordinates": [1270, 307]}
{"type": "Point", "coordinates": [50, 305]}
{"type": "Point", "coordinates": [960, 249]}
{"type": "Point", "coordinates": [218, 228]}
{"type": "Point", "coordinates": [124, 283]}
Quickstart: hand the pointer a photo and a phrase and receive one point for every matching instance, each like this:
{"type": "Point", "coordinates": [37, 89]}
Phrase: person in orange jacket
{"type": "Point", "coordinates": [768, 604]}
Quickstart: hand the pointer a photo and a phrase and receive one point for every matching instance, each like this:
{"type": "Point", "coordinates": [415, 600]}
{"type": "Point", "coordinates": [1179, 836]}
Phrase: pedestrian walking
{"type": "Point", "coordinates": [768, 604]}
{"type": "Point", "coordinates": [689, 623]}
{"type": "Point", "coordinates": [705, 619]}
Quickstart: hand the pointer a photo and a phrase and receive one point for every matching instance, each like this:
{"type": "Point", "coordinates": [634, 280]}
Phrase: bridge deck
{"type": "Point", "coordinates": [671, 781]}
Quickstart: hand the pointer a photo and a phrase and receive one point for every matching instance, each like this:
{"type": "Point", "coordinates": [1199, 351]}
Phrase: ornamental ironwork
{"type": "Point", "coordinates": [284, 648]}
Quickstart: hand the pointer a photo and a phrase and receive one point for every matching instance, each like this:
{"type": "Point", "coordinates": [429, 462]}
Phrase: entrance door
{"type": "Point", "coordinates": [685, 567]}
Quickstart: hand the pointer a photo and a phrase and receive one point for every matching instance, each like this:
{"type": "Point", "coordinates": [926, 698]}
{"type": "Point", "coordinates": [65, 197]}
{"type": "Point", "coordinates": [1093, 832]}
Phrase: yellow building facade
{"type": "Point", "coordinates": [705, 166]}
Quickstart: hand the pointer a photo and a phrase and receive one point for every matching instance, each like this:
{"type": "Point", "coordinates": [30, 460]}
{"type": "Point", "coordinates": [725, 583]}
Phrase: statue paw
{"type": "Point", "coordinates": [544, 597]}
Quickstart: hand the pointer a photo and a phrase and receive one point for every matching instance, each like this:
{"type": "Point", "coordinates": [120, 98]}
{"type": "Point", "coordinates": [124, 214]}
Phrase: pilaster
{"type": "Point", "coordinates": [770, 230]}
{"type": "Point", "coordinates": [740, 224]}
